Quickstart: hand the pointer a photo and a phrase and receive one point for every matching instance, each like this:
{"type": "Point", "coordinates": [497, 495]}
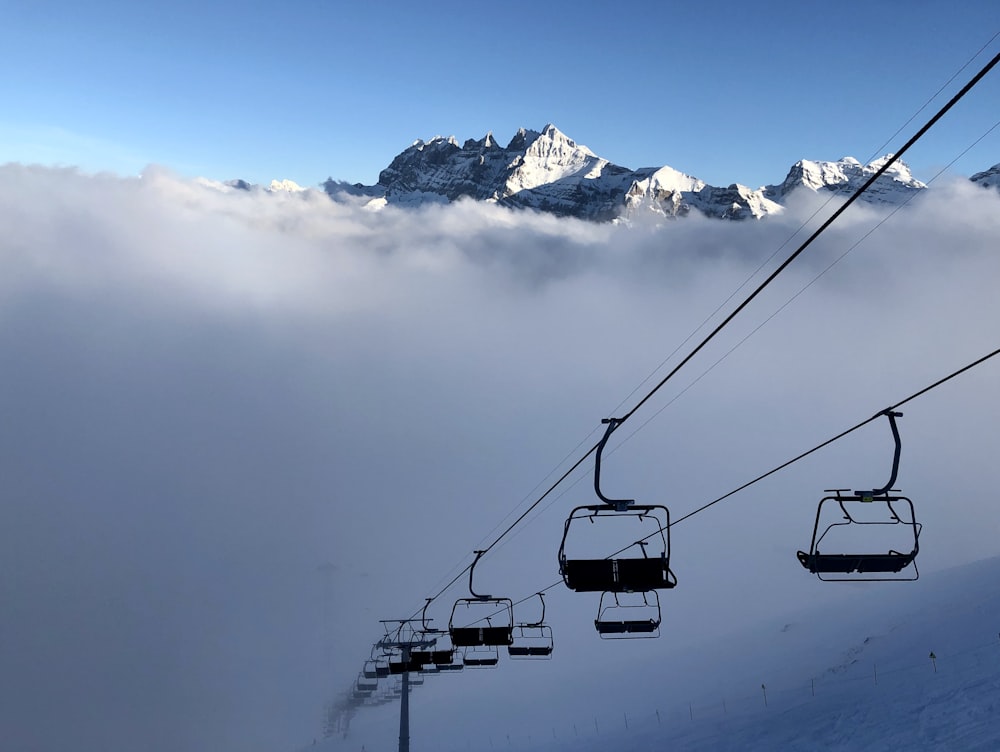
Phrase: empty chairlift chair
{"type": "Point", "coordinates": [364, 685]}
{"type": "Point", "coordinates": [628, 615]}
{"type": "Point", "coordinates": [882, 511]}
{"type": "Point", "coordinates": [378, 666]}
{"type": "Point", "coordinates": [482, 620]}
{"type": "Point", "coordinates": [481, 656]}
{"type": "Point", "coordinates": [437, 652]}
{"type": "Point", "coordinates": [532, 640]}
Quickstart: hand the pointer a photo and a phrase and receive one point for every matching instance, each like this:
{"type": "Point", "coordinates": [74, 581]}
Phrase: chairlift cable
{"type": "Point", "coordinates": [803, 455]}
{"type": "Point", "coordinates": [839, 436]}
{"type": "Point", "coordinates": [774, 274]}
{"type": "Point", "coordinates": [805, 287]}
{"type": "Point", "coordinates": [798, 251]}
{"type": "Point", "coordinates": [805, 222]}
{"type": "Point", "coordinates": [830, 220]}
{"type": "Point", "coordinates": [935, 94]}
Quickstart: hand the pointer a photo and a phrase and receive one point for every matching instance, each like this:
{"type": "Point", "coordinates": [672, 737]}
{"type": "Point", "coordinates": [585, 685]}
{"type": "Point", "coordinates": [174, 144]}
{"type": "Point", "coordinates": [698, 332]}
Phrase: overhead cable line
{"type": "Point", "coordinates": [803, 455]}
{"type": "Point", "coordinates": [805, 222]}
{"type": "Point", "coordinates": [760, 288]}
{"type": "Point", "coordinates": [833, 217]}
{"type": "Point", "coordinates": [792, 299]}
{"type": "Point", "coordinates": [809, 284]}
{"type": "Point", "coordinates": [839, 436]}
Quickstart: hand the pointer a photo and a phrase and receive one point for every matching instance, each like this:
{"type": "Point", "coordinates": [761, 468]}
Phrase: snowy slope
{"type": "Point", "coordinates": [855, 677]}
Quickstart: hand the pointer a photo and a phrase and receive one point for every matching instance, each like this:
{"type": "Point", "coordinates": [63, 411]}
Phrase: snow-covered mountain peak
{"type": "Point", "coordinates": [287, 186]}
{"type": "Point", "coordinates": [988, 178]}
{"type": "Point", "coordinates": [486, 142]}
{"type": "Point", "coordinates": [548, 171]}
{"type": "Point", "coordinates": [421, 144]}
{"type": "Point", "coordinates": [845, 176]}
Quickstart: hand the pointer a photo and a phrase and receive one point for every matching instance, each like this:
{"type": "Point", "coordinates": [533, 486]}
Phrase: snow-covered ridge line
{"type": "Point", "coordinates": [548, 171]}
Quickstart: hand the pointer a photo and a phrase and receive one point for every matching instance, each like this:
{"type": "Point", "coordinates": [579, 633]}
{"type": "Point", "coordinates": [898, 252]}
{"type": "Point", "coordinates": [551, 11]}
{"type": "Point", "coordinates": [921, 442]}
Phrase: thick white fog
{"type": "Point", "coordinates": [210, 397]}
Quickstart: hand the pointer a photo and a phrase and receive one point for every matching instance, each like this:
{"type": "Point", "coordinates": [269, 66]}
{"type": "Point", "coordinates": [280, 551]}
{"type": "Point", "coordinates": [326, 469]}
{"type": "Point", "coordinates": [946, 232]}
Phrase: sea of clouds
{"type": "Point", "coordinates": [239, 428]}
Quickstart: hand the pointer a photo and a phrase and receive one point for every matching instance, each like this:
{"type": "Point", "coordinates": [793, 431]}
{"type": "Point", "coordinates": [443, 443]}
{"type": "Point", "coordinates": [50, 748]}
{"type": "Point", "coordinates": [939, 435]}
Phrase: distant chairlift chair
{"type": "Point", "coordinates": [532, 640]}
{"type": "Point", "coordinates": [481, 621]}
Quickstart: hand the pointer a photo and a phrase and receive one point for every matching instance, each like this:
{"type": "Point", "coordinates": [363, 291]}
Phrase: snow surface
{"type": "Point", "coordinates": [856, 677]}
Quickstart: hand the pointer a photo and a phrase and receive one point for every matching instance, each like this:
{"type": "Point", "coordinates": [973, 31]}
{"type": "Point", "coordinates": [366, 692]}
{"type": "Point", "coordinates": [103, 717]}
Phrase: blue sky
{"type": "Point", "coordinates": [728, 92]}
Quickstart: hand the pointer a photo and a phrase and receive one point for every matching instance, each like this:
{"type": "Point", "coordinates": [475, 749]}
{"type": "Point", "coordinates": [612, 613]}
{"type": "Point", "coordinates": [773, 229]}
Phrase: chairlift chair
{"type": "Point", "coordinates": [365, 685]}
{"type": "Point", "coordinates": [532, 640]}
{"type": "Point", "coordinates": [619, 574]}
{"type": "Point", "coordinates": [481, 656]}
{"type": "Point", "coordinates": [369, 671]}
{"type": "Point", "coordinates": [628, 615]}
{"type": "Point", "coordinates": [878, 566]}
{"type": "Point", "coordinates": [404, 665]}
{"type": "Point", "coordinates": [481, 620]}
{"type": "Point", "coordinates": [382, 669]}
{"type": "Point", "coordinates": [437, 650]}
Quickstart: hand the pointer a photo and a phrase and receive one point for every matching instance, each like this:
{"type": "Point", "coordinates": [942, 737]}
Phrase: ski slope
{"type": "Point", "coordinates": [858, 676]}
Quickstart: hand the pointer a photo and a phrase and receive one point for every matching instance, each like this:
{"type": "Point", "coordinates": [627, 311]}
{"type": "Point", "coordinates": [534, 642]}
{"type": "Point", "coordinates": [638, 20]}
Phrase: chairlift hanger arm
{"type": "Point", "coordinates": [472, 569]}
{"type": "Point", "coordinates": [619, 505]}
{"type": "Point", "coordinates": [891, 415]}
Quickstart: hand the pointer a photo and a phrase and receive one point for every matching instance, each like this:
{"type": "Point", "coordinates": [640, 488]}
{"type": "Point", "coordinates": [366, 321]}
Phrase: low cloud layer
{"type": "Point", "coordinates": [210, 397]}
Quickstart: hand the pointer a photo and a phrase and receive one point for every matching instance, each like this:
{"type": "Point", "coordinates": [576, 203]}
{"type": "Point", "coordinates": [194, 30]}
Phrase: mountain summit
{"type": "Point", "coordinates": [548, 171]}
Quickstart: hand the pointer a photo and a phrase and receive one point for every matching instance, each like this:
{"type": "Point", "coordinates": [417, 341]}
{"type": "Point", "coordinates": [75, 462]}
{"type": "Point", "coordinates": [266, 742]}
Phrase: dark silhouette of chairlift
{"type": "Point", "coordinates": [398, 645]}
{"type": "Point", "coordinates": [865, 567]}
{"type": "Point", "coordinates": [369, 671]}
{"type": "Point", "coordinates": [365, 685]}
{"type": "Point", "coordinates": [496, 613]}
{"type": "Point", "coordinates": [481, 656]}
{"type": "Point", "coordinates": [378, 666]}
{"type": "Point", "coordinates": [618, 575]}
{"type": "Point", "coordinates": [532, 640]}
{"type": "Point", "coordinates": [628, 620]}
{"type": "Point", "coordinates": [435, 655]}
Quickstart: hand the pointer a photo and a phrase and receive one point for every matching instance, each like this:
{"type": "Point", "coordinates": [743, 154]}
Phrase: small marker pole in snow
{"type": "Point", "coordinates": [658, 717]}
{"type": "Point", "coordinates": [626, 719]}
{"type": "Point", "coordinates": [596, 729]}
{"type": "Point", "coordinates": [875, 670]}
{"type": "Point", "coordinates": [575, 732]}
{"type": "Point", "coordinates": [812, 684]}
{"type": "Point", "coordinates": [724, 711]}
{"type": "Point", "coordinates": [934, 661]}
{"type": "Point", "coordinates": [764, 690]}
{"type": "Point", "coordinates": [691, 711]}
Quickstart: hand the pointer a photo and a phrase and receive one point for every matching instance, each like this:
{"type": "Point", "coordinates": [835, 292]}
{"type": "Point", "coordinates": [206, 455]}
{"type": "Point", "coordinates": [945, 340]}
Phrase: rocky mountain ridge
{"type": "Point", "coordinates": [548, 171]}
